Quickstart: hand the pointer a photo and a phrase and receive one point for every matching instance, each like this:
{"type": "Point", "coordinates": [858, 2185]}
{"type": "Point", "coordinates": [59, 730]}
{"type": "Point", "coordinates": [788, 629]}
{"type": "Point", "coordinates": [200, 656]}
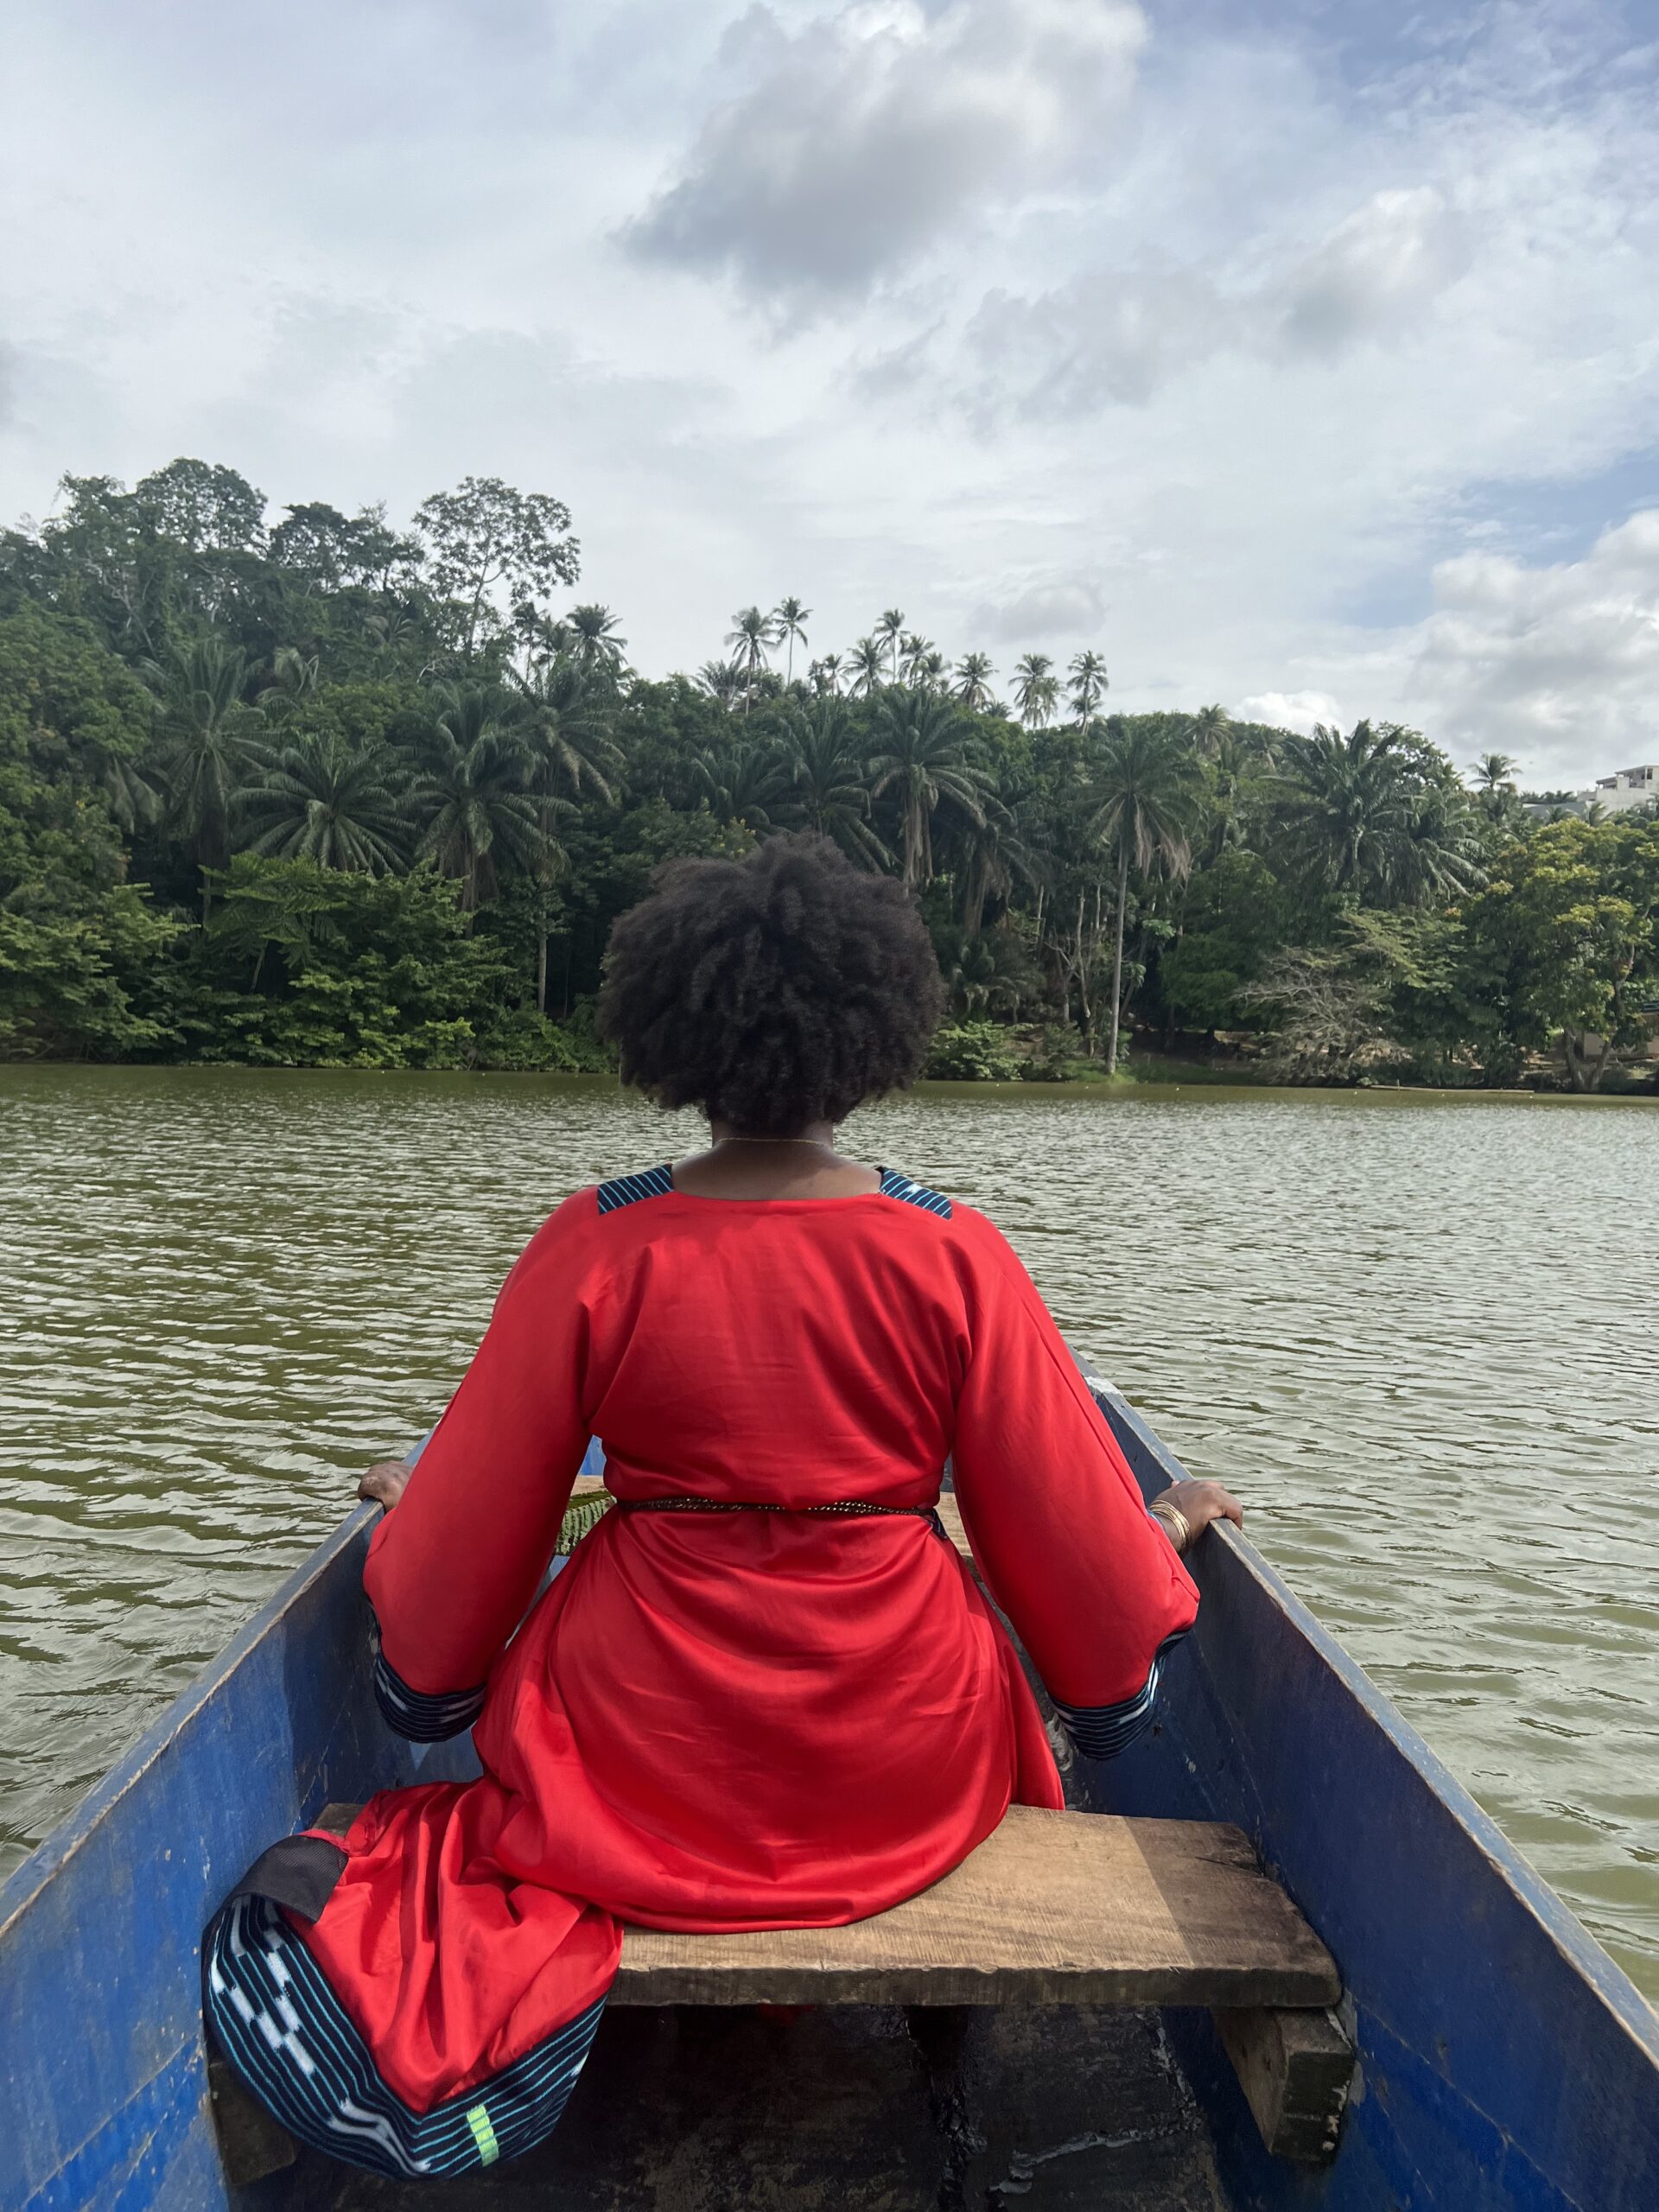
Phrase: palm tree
{"type": "Point", "coordinates": [1088, 683]}
{"type": "Point", "coordinates": [725, 679]}
{"type": "Point", "coordinates": [562, 715]}
{"type": "Point", "coordinates": [209, 745]}
{"type": "Point", "coordinates": [974, 672]}
{"type": "Point", "coordinates": [1036, 689]}
{"type": "Point", "coordinates": [1494, 773]}
{"type": "Point", "coordinates": [294, 676]}
{"type": "Point", "coordinates": [320, 799]}
{"type": "Point", "coordinates": [889, 631]}
{"type": "Point", "coordinates": [926, 761]}
{"type": "Point", "coordinates": [594, 643]}
{"type": "Point", "coordinates": [826, 673]}
{"type": "Point", "coordinates": [829, 783]}
{"type": "Point", "coordinates": [865, 662]}
{"type": "Point", "coordinates": [1209, 727]}
{"type": "Point", "coordinates": [788, 617]}
{"type": "Point", "coordinates": [1145, 803]}
{"type": "Point", "coordinates": [985, 857]}
{"type": "Point", "coordinates": [753, 635]}
{"type": "Point", "coordinates": [745, 781]}
{"type": "Point", "coordinates": [567, 727]}
{"type": "Point", "coordinates": [913, 649]}
{"type": "Point", "coordinates": [1364, 820]}
{"type": "Point", "coordinates": [472, 797]}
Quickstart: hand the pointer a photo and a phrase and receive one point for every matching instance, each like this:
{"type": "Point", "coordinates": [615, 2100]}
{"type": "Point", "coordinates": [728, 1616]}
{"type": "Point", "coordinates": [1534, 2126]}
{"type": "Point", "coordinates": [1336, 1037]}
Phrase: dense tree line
{"type": "Point", "coordinates": [319, 792]}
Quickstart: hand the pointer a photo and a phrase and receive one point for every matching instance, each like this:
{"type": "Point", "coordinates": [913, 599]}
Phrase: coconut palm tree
{"type": "Point", "coordinates": [1496, 795]}
{"type": "Point", "coordinates": [865, 663]}
{"type": "Point", "coordinates": [788, 618]}
{"type": "Point", "coordinates": [925, 760]}
{"type": "Point", "coordinates": [754, 635]}
{"type": "Point", "coordinates": [562, 716]}
{"type": "Point", "coordinates": [1036, 689]}
{"type": "Point", "coordinates": [889, 631]}
{"type": "Point", "coordinates": [1144, 806]}
{"type": "Point", "coordinates": [973, 673]}
{"type": "Point", "coordinates": [209, 745]}
{"type": "Point", "coordinates": [320, 799]}
{"type": "Point", "coordinates": [826, 673]}
{"type": "Point", "coordinates": [472, 797]}
{"type": "Point", "coordinates": [594, 642]}
{"type": "Point", "coordinates": [1494, 773]}
{"type": "Point", "coordinates": [1088, 683]}
{"type": "Point", "coordinates": [829, 784]}
{"type": "Point", "coordinates": [1209, 727]}
{"type": "Point", "coordinates": [914, 654]}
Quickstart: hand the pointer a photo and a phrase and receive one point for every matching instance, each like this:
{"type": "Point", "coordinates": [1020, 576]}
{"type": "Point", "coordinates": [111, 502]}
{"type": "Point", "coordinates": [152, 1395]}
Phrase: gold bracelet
{"type": "Point", "coordinates": [1177, 1525]}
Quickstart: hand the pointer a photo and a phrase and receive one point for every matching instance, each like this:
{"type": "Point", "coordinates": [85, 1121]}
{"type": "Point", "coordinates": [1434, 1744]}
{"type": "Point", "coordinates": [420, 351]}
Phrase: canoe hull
{"type": "Point", "coordinates": [1506, 2062]}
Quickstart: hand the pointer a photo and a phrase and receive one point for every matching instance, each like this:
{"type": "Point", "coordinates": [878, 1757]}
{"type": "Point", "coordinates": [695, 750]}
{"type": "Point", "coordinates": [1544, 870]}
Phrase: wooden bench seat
{"type": "Point", "coordinates": [1054, 1908]}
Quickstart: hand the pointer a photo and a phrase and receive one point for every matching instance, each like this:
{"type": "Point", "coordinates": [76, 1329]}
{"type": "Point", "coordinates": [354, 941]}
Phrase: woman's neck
{"type": "Point", "coordinates": [804, 1163]}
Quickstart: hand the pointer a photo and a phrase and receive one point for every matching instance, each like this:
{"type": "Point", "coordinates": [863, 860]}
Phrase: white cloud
{"type": "Point", "coordinates": [1065, 608]}
{"type": "Point", "coordinates": [1297, 710]}
{"type": "Point", "coordinates": [1117, 335]}
{"type": "Point", "coordinates": [1558, 664]}
{"type": "Point", "coordinates": [865, 136]}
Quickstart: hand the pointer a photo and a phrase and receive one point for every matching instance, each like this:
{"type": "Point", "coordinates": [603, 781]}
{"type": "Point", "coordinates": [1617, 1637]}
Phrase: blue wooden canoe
{"type": "Point", "coordinates": [1505, 2061]}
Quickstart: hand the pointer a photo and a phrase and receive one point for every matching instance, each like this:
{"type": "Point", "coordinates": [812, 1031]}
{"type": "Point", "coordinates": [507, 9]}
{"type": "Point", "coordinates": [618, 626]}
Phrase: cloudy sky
{"type": "Point", "coordinates": [1302, 354]}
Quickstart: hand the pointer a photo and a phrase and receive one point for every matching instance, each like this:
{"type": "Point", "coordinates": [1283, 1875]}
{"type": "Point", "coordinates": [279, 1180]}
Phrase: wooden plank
{"type": "Point", "coordinates": [1054, 1908]}
{"type": "Point", "coordinates": [1295, 2069]}
{"type": "Point", "coordinates": [250, 2143]}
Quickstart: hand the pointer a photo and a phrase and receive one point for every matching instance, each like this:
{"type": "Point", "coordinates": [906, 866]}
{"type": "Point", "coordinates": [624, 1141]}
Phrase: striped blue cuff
{"type": "Point", "coordinates": [1101, 1732]}
{"type": "Point", "coordinates": [422, 1716]}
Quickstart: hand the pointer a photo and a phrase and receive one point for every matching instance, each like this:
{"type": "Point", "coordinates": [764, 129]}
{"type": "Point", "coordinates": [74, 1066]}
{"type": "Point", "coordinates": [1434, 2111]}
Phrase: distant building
{"type": "Point", "coordinates": [1614, 794]}
{"type": "Point", "coordinates": [1630, 787]}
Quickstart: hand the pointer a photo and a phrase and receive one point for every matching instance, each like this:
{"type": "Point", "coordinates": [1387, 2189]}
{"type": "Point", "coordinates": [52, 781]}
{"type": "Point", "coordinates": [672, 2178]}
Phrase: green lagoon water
{"type": "Point", "coordinates": [1419, 1334]}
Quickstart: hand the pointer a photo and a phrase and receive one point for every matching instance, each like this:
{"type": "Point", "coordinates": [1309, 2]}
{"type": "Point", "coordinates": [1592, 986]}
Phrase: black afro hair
{"type": "Point", "coordinates": [773, 991]}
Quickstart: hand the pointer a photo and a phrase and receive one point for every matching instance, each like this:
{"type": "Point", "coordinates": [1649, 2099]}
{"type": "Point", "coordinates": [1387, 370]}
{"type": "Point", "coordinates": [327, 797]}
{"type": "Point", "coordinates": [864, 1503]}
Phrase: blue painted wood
{"type": "Point", "coordinates": [1508, 2065]}
{"type": "Point", "coordinates": [100, 2029]}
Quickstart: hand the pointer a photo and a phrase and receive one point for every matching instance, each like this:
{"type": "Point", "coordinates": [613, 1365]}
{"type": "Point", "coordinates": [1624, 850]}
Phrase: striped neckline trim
{"type": "Point", "coordinates": [658, 1183]}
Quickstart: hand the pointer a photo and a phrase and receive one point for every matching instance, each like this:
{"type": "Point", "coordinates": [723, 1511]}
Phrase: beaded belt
{"type": "Point", "coordinates": [745, 1505]}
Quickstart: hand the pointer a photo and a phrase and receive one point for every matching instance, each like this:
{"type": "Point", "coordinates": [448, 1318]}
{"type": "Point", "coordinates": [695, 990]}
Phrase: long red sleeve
{"type": "Point", "coordinates": [454, 1566]}
{"type": "Point", "coordinates": [1055, 1516]}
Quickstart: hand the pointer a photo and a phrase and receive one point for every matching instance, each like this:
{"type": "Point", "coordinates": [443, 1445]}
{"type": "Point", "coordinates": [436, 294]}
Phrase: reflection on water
{"type": "Point", "coordinates": [1416, 1333]}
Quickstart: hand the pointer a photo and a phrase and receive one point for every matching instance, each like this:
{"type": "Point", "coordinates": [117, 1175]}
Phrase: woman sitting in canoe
{"type": "Point", "coordinates": [766, 1693]}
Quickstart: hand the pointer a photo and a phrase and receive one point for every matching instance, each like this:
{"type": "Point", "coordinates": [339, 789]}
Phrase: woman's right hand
{"type": "Point", "coordinates": [385, 1482]}
{"type": "Point", "coordinates": [1198, 1504]}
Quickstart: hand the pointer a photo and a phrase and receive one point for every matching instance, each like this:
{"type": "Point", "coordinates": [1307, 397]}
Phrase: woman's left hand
{"type": "Point", "coordinates": [385, 1482]}
{"type": "Point", "coordinates": [1198, 1504]}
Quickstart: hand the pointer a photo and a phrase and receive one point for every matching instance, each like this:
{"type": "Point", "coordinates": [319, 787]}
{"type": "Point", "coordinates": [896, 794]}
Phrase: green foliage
{"type": "Point", "coordinates": [1235, 916]}
{"type": "Point", "coordinates": [310, 967]}
{"type": "Point", "coordinates": [314, 791]}
{"type": "Point", "coordinates": [972, 1052]}
{"type": "Point", "coordinates": [1560, 946]}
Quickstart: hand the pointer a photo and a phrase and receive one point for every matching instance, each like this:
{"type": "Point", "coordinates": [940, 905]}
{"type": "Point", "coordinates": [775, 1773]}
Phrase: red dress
{"type": "Point", "coordinates": [709, 1720]}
